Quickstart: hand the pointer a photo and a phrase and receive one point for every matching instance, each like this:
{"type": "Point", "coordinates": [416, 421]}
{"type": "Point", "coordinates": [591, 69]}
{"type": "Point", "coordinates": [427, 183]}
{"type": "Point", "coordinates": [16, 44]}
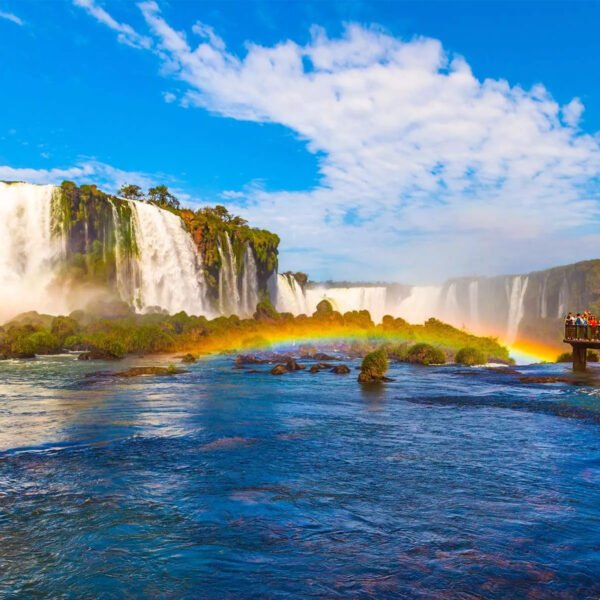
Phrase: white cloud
{"type": "Point", "coordinates": [169, 97]}
{"type": "Point", "coordinates": [426, 171]}
{"type": "Point", "coordinates": [86, 170]}
{"type": "Point", "coordinates": [125, 33]}
{"type": "Point", "coordinates": [12, 18]}
{"type": "Point", "coordinates": [572, 112]}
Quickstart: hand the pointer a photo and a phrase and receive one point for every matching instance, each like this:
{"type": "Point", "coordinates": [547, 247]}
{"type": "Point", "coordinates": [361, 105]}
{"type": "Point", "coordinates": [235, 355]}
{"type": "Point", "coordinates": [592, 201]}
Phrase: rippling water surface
{"type": "Point", "coordinates": [446, 483]}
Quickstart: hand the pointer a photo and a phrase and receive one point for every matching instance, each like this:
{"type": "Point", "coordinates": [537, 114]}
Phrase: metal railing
{"type": "Point", "coordinates": [582, 332]}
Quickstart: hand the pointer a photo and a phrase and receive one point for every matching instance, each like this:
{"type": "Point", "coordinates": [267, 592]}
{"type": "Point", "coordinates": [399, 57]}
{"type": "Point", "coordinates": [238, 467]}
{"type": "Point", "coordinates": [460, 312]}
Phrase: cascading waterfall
{"type": "Point", "coordinates": [229, 295]}
{"type": "Point", "coordinates": [169, 265]}
{"type": "Point", "coordinates": [346, 299]}
{"type": "Point", "coordinates": [29, 252]}
{"type": "Point", "coordinates": [422, 303]}
{"type": "Point", "coordinates": [563, 296]}
{"type": "Point", "coordinates": [289, 295]}
{"type": "Point", "coordinates": [544, 299]}
{"type": "Point", "coordinates": [515, 307]}
{"type": "Point", "coordinates": [474, 305]}
{"type": "Point", "coordinates": [127, 268]}
{"type": "Point", "coordinates": [249, 276]}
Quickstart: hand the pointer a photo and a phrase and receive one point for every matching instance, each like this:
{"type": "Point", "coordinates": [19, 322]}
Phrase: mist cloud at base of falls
{"type": "Point", "coordinates": [28, 251]}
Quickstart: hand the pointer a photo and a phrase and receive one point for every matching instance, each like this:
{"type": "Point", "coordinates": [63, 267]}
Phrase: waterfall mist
{"type": "Point", "coordinates": [29, 252]}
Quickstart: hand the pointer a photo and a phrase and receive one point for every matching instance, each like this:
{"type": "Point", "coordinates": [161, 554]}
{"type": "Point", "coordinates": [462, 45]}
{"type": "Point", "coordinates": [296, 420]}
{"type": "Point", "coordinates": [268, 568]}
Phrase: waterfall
{"type": "Point", "coordinates": [127, 269]}
{"type": "Point", "coordinates": [345, 299]}
{"type": "Point", "coordinates": [229, 296]}
{"type": "Point", "coordinates": [515, 307]}
{"type": "Point", "coordinates": [289, 295]}
{"type": "Point", "coordinates": [422, 303]}
{"type": "Point", "coordinates": [450, 309]}
{"type": "Point", "coordinates": [563, 297]}
{"type": "Point", "coordinates": [474, 304]}
{"type": "Point", "coordinates": [544, 299]}
{"type": "Point", "coordinates": [29, 252]}
{"type": "Point", "coordinates": [169, 264]}
{"type": "Point", "coordinates": [249, 294]}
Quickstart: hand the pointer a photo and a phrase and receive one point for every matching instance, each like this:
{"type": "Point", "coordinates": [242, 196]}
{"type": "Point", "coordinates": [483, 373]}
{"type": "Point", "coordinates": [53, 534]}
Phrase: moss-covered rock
{"type": "Point", "coordinates": [470, 356]}
{"type": "Point", "coordinates": [425, 354]}
{"type": "Point", "coordinates": [374, 367]}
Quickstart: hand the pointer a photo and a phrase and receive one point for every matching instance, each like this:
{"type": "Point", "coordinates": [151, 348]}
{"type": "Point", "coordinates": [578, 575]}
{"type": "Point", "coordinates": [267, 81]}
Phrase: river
{"type": "Point", "coordinates": [220, 483]}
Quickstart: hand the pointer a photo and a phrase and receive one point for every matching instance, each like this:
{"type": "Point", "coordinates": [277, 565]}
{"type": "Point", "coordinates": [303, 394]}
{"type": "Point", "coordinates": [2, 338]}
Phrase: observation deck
{"type": "Point", "coordinates": [581, 338]}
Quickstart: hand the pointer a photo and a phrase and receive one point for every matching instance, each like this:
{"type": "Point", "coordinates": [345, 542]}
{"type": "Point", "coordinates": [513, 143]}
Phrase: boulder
{"type": "Point", "coordinates": [279, 370]}
{"type": "Point", "coordinates": [97, 354]}
{"type": "Point", "coordinates": [250, 359]}
{"type": "Point", "coordinates": [323, 356]}
{"type": "Point", "coordinates": [188, 359]}
{"type": "Point", "coordinates": [292, 365]}
{"type": "Point", "coordinates": [544, 379]}
{"type": "Point", "coordinates": [340, 370]}
{"type": "Point", "coordinates": [139, 371]}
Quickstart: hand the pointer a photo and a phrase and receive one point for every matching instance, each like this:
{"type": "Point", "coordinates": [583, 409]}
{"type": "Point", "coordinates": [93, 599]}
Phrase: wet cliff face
{"type": "Point", "coordinates": [96, 234]}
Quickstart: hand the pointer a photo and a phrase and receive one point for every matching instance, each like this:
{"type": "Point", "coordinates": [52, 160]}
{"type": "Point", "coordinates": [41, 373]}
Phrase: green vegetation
{"type": "Point", "coordinates": [114, 329]}
{"type": "Point", "coordinates": [161, 196]}
{"type": "Point", "coordinates": [374, 367]}
{"type": "Point", "coordinates": [567, 357]}
{"type": "Point", "coordinates": [425, 354]}
{"type": "Point", "coordinates": [210, 227]}
{"type": "Point", "coordinates": [265, 311]}
{"type": "Point", "coordinates": [470, 356]}
{"type": "Point", "coordinates": [131, 192]}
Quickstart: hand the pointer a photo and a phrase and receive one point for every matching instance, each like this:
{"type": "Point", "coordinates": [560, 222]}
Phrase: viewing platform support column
{"type": "Point", "coordinates": [579, 357]}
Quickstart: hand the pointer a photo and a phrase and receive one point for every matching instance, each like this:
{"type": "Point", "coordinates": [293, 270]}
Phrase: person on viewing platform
{"type": "Point", "coordinates": [593, 324]}
{"type": "Point", "coordinates": [570, 319]}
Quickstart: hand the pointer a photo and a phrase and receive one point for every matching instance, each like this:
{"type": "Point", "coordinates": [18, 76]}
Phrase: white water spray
{"type": "Point", "coordinates": [29, 254]}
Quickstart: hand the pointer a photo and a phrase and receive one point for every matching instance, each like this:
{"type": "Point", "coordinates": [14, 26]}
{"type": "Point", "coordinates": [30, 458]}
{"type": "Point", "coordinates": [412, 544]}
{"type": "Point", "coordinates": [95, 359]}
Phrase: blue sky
{"type": "Point", "coordinates": [497, 177]}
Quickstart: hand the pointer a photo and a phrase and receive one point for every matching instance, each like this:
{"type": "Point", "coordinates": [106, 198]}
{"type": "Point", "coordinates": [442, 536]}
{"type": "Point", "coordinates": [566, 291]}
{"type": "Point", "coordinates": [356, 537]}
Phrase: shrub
{"type": "Point", "coordinates": [40, 342]}
{"type": "Point", "coordinates": [564, 357]}
{"type": "Point", "coordinates": [425, 354]}
{"type": "Point", "coordinates": [592, 356]}
{"type": "Point", "coordinates": [375, 364]}
{"type": "Point", "coordinates": [64, 327]}
{"type": "Point", "coordinates": [470, 356]}
{"type": "Point", "coordinates": [324, 308]}
{"type": "Point", "coordinates": [265, 311]}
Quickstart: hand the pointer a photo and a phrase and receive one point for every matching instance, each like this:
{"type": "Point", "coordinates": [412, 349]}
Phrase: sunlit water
{"type": "Point", "coordinates": [219, 483]}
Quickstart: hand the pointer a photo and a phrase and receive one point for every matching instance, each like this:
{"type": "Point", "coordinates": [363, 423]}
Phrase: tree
{"type": "Point", "coordinates": [161, 195]}
{"type": "Point", "coordinates": [130, 191]}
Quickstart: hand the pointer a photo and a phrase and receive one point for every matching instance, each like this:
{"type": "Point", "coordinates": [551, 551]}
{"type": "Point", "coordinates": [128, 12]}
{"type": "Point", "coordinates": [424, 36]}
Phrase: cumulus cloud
{"type": "Point", "coordinates": [12, 18]}
{"type": "Point", "coordinates": [426, 171]}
